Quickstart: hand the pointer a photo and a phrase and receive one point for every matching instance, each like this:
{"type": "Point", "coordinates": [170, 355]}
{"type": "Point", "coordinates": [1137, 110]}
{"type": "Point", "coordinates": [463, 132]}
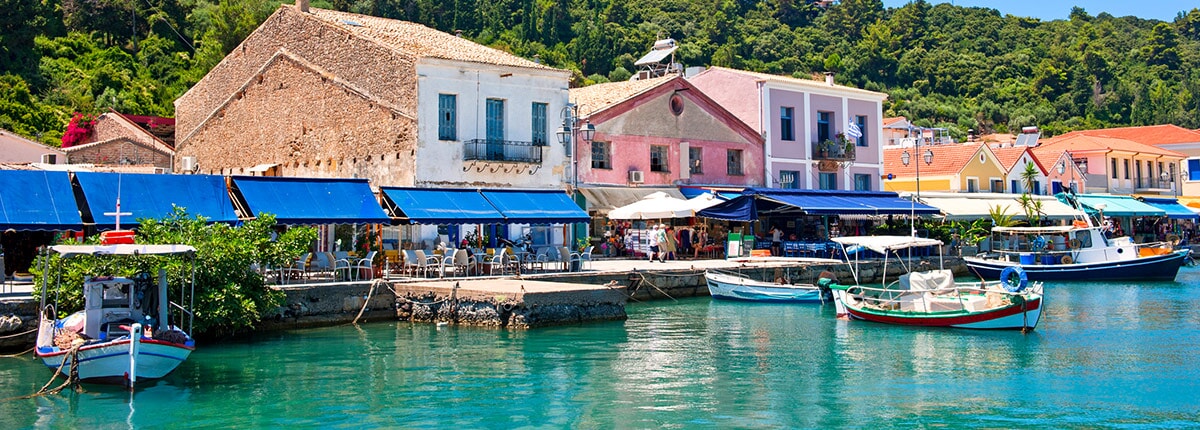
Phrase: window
{"type": "Point", "coordinates": [1037, 188]}
{"type": "Point", "coordinates": [787, 179]}
{"type": "Point", "coordinates": [862, 182]}
{"type": "Point", "coordinates": [1114, 168]}
{"type": "Point", "coordinates": [997, 186]}
{"type": "Point", "coordinates": [823, 133]}
{"type": "Point", "coordinates": [1126, 164]}
{"type": "Point", "coordinates": [828, 181]}
{"type": "Point", "coordinates": [861, 121]}
{"type": "Point", "coordinates": [447, 117]}
{"type": "Point", "coordinates": [972, 185]}
{"type": "Point", "coordinates": [1015, 186]}
{"type": "Point", "coordinates": [495, 129]}
{"type": "Point", "coordinates": [695, 161]}
{"type": "Point", "coordinates": [787, 127]}
{"type": "Point", "coordinates": [658, 158]}
{"type": "Point", "coordinates": [733, 162]}
{"type": "Point", "coordinates": [1193, 170]}
{"type": "Point", "coordinates": [539, 124]}
{"type": "Point", "coordinates": [601, 155]}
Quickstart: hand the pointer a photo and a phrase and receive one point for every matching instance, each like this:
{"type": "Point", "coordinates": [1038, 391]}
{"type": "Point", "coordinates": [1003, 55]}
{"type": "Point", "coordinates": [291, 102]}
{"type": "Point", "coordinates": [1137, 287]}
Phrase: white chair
{"type": "Point", "coordinates": [410, 262]}
{"type": "Point", "coordinates": [498, 263]}
{"type": "Point", "coordinates": [463, 261]}
{"type": "Point", "coordinates": [586, 256]}
{"type": "Point", "coordinates": [426, 262]}
{"type": "Point", "coordinates": [569, 259]}
{"type": "Point", "coordinates": [367, 263]}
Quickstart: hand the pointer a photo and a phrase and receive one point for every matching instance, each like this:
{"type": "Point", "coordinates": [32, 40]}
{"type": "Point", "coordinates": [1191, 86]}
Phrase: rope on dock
{"type": "Point", "coordinates": [647, 281]}
{"type": "Point", "coordinates": [367, 300]}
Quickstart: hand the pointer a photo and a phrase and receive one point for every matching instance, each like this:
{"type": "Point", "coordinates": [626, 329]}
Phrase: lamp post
{"type": "Point", "coordinates": [566, 136]}
{"type": "Point", "coordinates": [906, 158]}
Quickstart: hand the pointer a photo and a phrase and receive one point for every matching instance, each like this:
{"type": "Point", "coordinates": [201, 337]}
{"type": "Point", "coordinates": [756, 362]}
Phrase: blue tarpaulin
{"type": "Point", "coordinates": [153, 196]}
{"type": "Point", "coordinates": [37, 200]}
{"type": "Point", "coordinates": [309, 200]}
{"type": "Point", "coordinates": [536, 207]}
{"type": "Point", "coordinates": [1113, 205]}
{"type": "Point", "coordinates": [1171, 206]}
{"type": "Point", "coordinates": [755, 202]}
{"type": "Point", "coordinates": [440, 206]}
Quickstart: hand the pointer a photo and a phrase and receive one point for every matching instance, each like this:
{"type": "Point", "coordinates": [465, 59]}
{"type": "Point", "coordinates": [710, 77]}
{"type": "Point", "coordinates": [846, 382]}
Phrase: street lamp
{"type": "Point", "coordinates": [906, 158]}
{"type": "Point", "coordinates": [571, 126]}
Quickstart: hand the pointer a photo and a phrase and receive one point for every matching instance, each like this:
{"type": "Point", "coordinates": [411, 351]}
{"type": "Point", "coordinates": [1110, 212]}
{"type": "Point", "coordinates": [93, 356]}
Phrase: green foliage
{"type": "Point", "coordinates": [1000, 217]}
{"type": "Point", "coordinates": [230, 295]}
{"type": "Point", "coordinates": [942, 65]}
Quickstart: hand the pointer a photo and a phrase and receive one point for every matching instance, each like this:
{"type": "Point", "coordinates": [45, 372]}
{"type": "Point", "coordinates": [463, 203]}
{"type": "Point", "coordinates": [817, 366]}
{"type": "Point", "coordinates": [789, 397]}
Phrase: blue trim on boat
{"type": "Point", "coordinates": [1158, 268]}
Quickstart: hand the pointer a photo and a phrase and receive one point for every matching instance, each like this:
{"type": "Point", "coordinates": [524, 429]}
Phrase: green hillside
{"type": "Point", "coordinates": [943, 65]}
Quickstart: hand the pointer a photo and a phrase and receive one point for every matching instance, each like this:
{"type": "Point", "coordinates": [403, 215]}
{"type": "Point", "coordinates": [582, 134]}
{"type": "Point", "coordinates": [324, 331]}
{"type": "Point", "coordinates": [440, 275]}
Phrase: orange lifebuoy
{"type": "Point", "coordinates": [1074, 243]}
{"type": "Point", "coordinates": [1066, 259]}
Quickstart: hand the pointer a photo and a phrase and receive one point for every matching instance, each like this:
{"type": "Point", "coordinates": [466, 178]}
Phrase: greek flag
{"type": "Point", "coordinates": [852, 130]}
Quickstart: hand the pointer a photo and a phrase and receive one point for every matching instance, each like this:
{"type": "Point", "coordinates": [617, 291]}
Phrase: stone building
{"type": "Point", "coordinates": [321, 93]}
{"type": "Point", "coordinates": [125, 140]}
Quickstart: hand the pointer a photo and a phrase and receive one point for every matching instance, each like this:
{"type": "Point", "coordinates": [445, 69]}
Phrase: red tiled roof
{"type": "Point", "coordinates": [893, 120]}
{"type": "Point", "coordinates": [1083, 143]}
{"type": "Point", "coordinates": [1149, 134]}
{"type": "Point", "coordinates": [947, 160]}
{"type": "Point", "coordinates": [599, 96]}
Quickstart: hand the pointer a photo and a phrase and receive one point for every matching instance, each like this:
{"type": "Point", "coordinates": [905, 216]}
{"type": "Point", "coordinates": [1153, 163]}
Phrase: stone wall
{"type": "Point", "coordinates": [384, 73]}
{"type": "Point", "coordinates": [119, 150]}
{"type": "Point", "coordinates": [308, 123]}
{"type": "Point", "coordinates": [331, 304]}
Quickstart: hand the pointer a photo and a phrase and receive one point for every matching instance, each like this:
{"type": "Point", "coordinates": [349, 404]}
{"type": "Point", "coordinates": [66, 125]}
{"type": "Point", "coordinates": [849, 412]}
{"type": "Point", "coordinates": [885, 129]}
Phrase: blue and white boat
{"type": "Point", "coordinates": [733, 287]}
{"type": "Point", "coordinates": [1077, 252]}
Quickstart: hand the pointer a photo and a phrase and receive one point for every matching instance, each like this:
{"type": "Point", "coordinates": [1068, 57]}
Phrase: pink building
{"type": "Point", "coordinates": [808, 127]}
{"type": "Point", "coordinates": [660, 133]}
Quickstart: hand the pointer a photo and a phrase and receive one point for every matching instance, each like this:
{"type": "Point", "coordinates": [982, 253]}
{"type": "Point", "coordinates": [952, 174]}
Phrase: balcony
{"type": "Point", "coordinates": [833, 151]}
{"type": "Point", "coordinates": [502, 151]}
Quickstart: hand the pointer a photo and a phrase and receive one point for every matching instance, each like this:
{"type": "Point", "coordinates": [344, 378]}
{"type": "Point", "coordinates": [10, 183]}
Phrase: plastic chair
{"type": "Point", "coordinates": [426, 262]}
{"type": "Point", "coordinates": [586, 256]}
{"type": "Point", "coordinates": [498, 264]}
{"type": "Point", "coordinates": [464, 261]}
{"type": "Point", "coordinates": [366, 263]}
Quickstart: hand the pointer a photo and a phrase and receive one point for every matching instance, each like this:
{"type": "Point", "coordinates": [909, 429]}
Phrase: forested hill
{"type": "Point", "coordinates": [943, 65]}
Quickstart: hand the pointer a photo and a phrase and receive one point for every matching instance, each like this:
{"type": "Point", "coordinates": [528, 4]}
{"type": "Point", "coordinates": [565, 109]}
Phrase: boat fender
{"type": "Point", "coordinates": [1173, 239]}
{"type": "Point", "coordinates": [508, 306]}
{"type": "Point", "coordinates": [1013, 279]}
{"type": "Point", "coordinates": [1066, 259]}
{"type": "Point", "coordinates": [1039, 243]}
{"type": "Point", "coordinates": [1075, 243]}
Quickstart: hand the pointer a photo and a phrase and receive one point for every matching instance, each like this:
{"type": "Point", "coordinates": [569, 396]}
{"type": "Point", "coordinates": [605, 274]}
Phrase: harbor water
{"type": "Point", "coordinates": [1104, 355]}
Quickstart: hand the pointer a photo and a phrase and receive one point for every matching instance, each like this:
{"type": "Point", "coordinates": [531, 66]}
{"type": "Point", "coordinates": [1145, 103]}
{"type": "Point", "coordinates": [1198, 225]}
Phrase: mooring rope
{"type": "Point", "coordinates": [9, 336]}
{"type": "Point", "coordinates": [651, 284]}
{"type": "Point", "coordinates": [367, 300]}
{"type": "Point", "coordinates": [17, 355]}
{"type": "Point", "coordinates": [72, 377]}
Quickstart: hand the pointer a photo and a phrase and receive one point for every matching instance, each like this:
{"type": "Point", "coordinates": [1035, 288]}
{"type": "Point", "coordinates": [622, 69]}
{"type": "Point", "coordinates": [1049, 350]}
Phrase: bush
{"type": "Point", "coordinates": [230, 295]}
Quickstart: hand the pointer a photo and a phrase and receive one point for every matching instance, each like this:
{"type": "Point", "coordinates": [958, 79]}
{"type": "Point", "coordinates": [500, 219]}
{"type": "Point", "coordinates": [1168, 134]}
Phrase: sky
{"type": "Point", "coordinates": [1046, 10]}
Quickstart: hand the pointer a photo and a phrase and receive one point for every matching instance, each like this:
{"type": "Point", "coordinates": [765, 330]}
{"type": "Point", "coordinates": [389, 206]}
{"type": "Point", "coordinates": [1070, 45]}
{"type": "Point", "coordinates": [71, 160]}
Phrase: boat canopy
{"type": "Point", "coordinates": [73, 250]}
{"type": "Point", "coordinates": [1035, 230]}
{"type": "Point", "coordinates": [885, 244]}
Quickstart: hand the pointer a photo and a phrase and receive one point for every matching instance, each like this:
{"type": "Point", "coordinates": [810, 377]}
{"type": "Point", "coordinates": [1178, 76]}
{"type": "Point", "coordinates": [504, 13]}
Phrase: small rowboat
{"type": "Point", "coordinates": [732, 287]}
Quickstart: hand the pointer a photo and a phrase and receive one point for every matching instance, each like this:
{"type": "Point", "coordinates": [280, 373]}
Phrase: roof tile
{"type": "Point", "coordinates": [947, 160]}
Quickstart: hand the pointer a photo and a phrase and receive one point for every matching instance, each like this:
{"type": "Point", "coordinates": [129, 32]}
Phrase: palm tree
{"type": "Point", "coordinates": [1033, 207]}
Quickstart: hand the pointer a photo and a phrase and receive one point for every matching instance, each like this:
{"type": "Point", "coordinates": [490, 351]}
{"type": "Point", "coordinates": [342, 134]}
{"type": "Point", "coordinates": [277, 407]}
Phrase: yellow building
{"type": "Point", "coordinates": [970, 168]}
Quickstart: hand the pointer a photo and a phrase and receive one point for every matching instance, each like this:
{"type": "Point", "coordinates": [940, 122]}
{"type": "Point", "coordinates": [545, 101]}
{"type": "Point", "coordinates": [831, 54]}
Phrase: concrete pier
{"type": "Point", "coordinates": [508, 302]}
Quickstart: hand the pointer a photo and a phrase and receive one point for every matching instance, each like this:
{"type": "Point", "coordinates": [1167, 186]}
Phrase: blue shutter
{"type": "Point", "coordinates": [495, 129]}
{"type": "Point", "coordinates": [539, 124]}
{"type": "Point", "coordinates": [862, 127]}
{"type": "Point", "coordinates": [447, 117]}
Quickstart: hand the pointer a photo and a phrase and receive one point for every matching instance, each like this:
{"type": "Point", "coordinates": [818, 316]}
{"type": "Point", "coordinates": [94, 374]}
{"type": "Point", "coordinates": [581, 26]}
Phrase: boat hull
{"type": "Point", "coordinates": [109, 361]}
{"type": "Point", "coordinates": [1153, 268]}
{"type": "Point", "coordinates": [728, 287]}
{"type": "Point", "coordinates": [1013, 317]}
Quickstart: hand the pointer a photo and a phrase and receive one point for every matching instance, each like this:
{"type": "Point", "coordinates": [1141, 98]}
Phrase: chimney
{"type": "Point", "coordinates": [457, 33]}
{"type": "Point", "coordinates": [302, 5]}
{"type": "Point", "coordinates": [829, 78]}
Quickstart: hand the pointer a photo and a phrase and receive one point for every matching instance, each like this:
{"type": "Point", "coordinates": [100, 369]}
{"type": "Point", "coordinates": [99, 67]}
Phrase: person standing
{"type": "Point", "coordinates": [653, 242]}
{"type": "Point", "coordinates": [662, 241]}
{"type": "Point", "coordinates": [685, 241]}
{"type": "Point", "coordinates": [776, 240]}
{"type": "Point", "coordinates": [670, 242]}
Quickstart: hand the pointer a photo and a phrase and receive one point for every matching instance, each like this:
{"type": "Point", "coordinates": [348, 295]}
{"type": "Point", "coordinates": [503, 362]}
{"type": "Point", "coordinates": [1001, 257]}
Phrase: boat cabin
{"type": "Point", "coordinates": [112, 304]}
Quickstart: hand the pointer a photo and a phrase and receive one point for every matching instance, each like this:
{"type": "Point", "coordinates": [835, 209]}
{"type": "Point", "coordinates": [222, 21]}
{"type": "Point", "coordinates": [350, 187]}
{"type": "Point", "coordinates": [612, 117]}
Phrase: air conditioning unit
{"type": "Point", "coordinates": [188, 164]}
{"type": "Point", "coordinates": [637, 177]}
{"type": "Point", "coordinates": [49, 158]}
{"type": "Point", "coordinates": [159, 170]}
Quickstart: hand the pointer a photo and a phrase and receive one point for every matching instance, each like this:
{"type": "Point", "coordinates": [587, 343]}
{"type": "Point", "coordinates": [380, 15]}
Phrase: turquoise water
{"type": "Point", "coordinates": [1104, 355]}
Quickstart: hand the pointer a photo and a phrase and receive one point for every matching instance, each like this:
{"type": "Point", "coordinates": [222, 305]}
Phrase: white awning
{"type": "Point", "coordinates": [605, 199]}
{"type": "Point", "coordinates": [964, 206]}
{"type": "Point", "coordinates": [883, 244]}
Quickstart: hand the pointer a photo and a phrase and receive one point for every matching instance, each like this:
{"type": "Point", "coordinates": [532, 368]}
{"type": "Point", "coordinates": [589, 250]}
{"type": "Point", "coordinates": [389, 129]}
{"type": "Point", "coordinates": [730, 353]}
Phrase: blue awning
{"type": "Point", "coordinates": [37, 200]}
{"type": "Point", "coordinates": [1171, 206]}
{"type": "Point", "coordinates": [1113, 205]}
{"type": "Point", "coordinates": [153, 197]}
{"type": "Point", "coordinates": [309, 200]}
{"type": "Point", "coordinates": [724, 193]}
{"type": "Point", "coordinates": [440, 206]}
{"type": "Point", "coordinates": [536, 207]}
{"type": "Point", "coordinates": [756, 202]}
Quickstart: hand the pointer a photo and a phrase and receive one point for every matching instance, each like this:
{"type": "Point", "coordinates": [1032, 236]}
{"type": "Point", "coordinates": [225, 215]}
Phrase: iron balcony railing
{"type": "Point", "coordinates": [828, 150]}
{"type": "Point", "coordinates": [502, 150]}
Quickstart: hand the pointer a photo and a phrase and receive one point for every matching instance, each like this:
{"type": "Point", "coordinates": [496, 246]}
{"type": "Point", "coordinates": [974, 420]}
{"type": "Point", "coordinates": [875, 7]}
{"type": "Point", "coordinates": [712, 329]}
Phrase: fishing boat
{"type": "Point", "coordinates": [728, 286]}
{"type": "Point", "coordinates": [933, 298]}
{"type": "Point", "coordinates": [1080, 251]}
{"type": "Point", "coordinates": [124, 332]}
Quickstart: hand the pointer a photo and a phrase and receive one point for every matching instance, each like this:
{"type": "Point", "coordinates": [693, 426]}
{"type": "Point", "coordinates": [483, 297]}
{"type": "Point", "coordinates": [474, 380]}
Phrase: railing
{"type": "Point", "coordinates": [502, 150]}
{"type": "Point", "coordinates": [832, 151]}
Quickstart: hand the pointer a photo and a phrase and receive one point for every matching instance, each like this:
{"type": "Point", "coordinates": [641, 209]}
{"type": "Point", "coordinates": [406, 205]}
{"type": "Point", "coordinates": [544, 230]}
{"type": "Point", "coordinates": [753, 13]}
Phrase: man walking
{"type": "Point", "coordinates": [653, 242]}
